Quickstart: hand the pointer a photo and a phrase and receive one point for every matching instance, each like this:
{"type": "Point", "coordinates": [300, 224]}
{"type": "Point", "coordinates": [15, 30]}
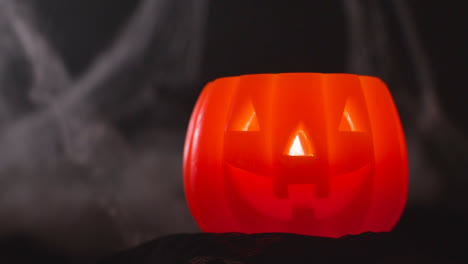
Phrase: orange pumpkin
{"type": "Point", "coordinates": [306, 153]}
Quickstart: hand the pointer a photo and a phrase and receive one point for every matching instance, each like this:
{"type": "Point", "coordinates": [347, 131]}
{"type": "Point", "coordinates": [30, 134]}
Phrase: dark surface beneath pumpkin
{"type": "Point", "coordinates": [422, 236]}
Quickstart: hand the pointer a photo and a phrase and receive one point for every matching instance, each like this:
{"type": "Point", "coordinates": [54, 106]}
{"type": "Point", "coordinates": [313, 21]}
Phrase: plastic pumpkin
{"type": "Point", "coordinates": [306, 153]}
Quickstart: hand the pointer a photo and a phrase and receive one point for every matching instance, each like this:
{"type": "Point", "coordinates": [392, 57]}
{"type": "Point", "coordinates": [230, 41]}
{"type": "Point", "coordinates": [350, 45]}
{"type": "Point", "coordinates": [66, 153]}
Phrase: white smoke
{"type": "Point", "coordinates": [69, 176]}
{"type": "Point", "coordinates": [434, 143]}
{"type": "Point", "coordinates": [60, 157]}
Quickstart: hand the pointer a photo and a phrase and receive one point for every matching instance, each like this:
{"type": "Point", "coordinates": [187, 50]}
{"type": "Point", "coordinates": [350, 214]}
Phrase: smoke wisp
{"type": "Point", "coordinates": [64, 168]}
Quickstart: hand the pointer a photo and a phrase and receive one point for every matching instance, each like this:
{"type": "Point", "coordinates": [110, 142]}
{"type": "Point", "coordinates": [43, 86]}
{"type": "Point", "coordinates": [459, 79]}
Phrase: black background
{"type": "Point", "coordinates": [238, 37]}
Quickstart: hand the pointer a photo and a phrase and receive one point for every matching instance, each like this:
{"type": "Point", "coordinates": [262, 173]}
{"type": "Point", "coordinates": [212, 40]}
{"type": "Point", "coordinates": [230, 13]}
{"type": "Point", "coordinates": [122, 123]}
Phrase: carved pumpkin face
{"type": "Point", "coordinates": [315, 154]}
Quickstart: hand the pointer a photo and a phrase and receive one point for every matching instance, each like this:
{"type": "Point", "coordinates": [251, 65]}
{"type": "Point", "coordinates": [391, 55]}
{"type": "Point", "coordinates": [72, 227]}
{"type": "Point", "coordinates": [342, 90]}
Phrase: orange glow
{"type": "Point", "coordinates": [300, 145]}
{"type": "Point", "coordinates": [245, 118]}
{"type": "Point", "coordinates": [307, 153]}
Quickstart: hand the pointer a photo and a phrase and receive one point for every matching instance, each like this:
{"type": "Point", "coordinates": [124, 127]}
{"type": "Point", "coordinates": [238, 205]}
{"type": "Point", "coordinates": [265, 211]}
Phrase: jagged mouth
{"type": "Point", "coordinates": [257, 191]}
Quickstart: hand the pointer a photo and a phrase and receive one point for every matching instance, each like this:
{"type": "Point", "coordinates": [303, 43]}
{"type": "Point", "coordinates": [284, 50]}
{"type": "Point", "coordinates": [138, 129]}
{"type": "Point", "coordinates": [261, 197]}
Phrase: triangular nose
{"type": "Point", "coordinates": [300, 145]}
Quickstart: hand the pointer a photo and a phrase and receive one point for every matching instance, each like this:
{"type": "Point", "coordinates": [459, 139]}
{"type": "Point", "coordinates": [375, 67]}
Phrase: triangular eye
{"type": "Point", "coordinates": [244, 118]}
{"type": "Point", "coordinates": [252, 123]}
{"type": "Point", "coordinates": [348, 121]}
{"type": "Point", "coordinates": [300, 145]}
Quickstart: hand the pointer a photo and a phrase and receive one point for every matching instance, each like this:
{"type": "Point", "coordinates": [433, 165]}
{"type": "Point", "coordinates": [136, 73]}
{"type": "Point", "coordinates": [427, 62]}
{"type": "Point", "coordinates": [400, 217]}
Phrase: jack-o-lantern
{"type": "Point", "coordinates": [307, 153]}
